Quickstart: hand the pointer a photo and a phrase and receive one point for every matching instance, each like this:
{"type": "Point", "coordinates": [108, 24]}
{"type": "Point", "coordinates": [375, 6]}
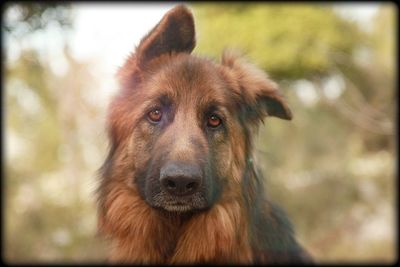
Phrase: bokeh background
{"type": "Point", "coordinates": [332, 168]}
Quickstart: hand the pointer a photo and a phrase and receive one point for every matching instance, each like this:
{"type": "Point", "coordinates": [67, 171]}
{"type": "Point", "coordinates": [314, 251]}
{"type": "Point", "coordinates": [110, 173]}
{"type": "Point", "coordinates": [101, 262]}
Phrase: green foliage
{"type": "Point", "coordinates": [28, 82]}
{"type": "Point", "coordinates": [49, 208]}
{"type": "Point", "coordinates": [27, 17]}
{"type": "Point", "coordinates": [290, 41]}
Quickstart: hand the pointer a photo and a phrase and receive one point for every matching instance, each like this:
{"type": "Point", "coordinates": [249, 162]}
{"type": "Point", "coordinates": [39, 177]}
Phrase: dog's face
{"type": "Point", "coordinates": [185, 122]}
{"type": "Point", "coordinates": [186, 119]}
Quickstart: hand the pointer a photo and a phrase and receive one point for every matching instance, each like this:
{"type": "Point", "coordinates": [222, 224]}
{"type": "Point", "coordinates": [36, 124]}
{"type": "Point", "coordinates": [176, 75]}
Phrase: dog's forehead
{"type": "Point", "coordinates": [188, 77]}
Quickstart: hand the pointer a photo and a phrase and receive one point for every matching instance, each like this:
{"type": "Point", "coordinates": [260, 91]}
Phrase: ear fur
{"type": "Point", "coordinates": [174, 33]}
{"type": "Point", "coordinates": [258, 94]}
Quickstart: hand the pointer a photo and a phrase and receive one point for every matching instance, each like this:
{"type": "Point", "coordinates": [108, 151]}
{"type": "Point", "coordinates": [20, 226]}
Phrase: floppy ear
{"type": "Point", "coordinates": [256, 93]}
{"type": "Point", "coordinates": [174, 33]}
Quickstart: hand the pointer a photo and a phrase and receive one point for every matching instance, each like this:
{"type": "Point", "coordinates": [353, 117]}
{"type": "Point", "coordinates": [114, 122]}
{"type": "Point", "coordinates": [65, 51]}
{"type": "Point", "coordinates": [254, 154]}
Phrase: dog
{"type": "Point", "coordinates": [179, 185]}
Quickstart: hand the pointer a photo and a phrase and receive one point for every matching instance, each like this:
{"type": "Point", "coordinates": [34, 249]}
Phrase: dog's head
{"type": "Point", "coordinates": [183, 121]}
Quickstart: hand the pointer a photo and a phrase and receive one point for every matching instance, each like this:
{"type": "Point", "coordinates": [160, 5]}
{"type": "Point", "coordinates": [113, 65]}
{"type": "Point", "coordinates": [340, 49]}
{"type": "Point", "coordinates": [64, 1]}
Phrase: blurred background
{"type": "Point", "coordinates": [332, 168]}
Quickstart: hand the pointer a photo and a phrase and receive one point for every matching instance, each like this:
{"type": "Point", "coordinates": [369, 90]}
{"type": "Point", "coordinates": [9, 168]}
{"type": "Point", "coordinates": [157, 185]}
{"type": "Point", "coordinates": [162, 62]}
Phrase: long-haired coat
{"type": "Point", "coordinates": [179, 184]}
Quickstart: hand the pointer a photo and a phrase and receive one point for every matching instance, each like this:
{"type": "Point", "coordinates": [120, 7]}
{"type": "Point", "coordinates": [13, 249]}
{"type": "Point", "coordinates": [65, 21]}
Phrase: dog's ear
{"type": "Point", "coordinates": [257, 95]}
{"type": "Point", "coordinates": [174, 33]}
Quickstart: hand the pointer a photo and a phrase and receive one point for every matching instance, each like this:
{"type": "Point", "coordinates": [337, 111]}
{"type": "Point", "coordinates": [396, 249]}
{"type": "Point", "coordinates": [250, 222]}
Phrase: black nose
{"type": "Point", "coordinates": [180, 178]}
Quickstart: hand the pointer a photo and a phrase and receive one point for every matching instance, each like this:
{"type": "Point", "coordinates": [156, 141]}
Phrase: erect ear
{"type": "Point", "coordinates": [256, 93]}
{"type": "Point", "coordinates": [174, 33]}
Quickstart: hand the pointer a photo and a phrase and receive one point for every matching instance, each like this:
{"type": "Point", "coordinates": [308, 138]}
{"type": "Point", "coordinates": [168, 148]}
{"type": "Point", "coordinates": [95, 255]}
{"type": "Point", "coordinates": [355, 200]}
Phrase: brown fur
{"type": "Point", "coordinates": [231, 221]}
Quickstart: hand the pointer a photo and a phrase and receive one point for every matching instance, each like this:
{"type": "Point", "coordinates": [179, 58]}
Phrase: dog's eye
{"type": "Point", "coordinates": [155, 115]}
{"type": "Point", "coordinates": [213, 121]}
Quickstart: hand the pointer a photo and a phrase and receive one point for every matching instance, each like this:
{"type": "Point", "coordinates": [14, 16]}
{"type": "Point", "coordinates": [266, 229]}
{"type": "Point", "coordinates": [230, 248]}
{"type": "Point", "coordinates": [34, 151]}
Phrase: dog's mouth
{"type": "Point", "coordinates": [179, 204]}
{"type": "Point", "coordinates": [177, 207]}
